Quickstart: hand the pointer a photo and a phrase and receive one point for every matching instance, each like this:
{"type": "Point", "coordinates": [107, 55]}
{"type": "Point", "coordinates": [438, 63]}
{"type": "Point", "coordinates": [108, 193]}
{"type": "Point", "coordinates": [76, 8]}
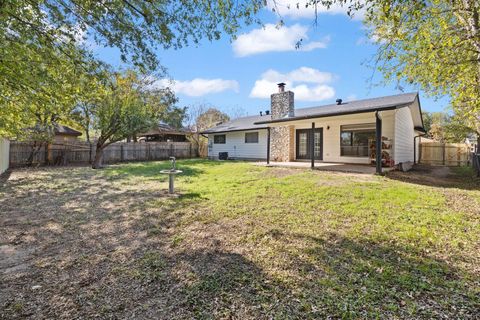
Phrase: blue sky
{"type": "Point", "coordinates": [333, 62]}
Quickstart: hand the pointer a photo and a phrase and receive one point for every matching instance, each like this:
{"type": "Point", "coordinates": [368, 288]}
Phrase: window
{"type": "Point", "coordinates": [219, 138]}
{"type": "Point", "coordinates": [354, 139]}
{"type": "Point", "coordinates": [251, 137]}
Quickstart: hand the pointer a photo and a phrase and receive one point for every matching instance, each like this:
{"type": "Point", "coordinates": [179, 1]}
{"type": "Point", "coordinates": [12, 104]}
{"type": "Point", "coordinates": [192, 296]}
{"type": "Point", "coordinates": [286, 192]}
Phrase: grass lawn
{"type": "Point", "coordinates": [241, 241]}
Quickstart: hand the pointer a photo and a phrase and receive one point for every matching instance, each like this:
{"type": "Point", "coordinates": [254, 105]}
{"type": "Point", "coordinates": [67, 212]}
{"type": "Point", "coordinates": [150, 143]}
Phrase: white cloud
{"type": "Point", "coordinates": [199, 86]}
{"type": "Point", "coordinates": [297, 81]}
{"type": "Point", "coordinates": [274, 38]}
{"type": "Point", "coordinates": [298, 9]}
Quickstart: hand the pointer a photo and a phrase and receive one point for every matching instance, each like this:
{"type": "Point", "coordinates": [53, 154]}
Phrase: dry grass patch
{"type": "Point", "coordinates": [241, 241]}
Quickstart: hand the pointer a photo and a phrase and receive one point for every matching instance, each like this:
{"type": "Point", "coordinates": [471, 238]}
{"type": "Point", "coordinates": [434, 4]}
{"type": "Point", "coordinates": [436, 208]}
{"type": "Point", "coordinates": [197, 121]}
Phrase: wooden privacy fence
{"type": "Point", "coordinates": [80, 152]}
{"type": "Point", "coordinates": [445, 154]}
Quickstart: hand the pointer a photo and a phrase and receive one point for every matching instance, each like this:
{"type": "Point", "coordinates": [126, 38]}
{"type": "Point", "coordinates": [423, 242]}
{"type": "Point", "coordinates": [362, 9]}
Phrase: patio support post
{"type": "Point", "coordinates": [268, 145]}
{"type": "Point", "coordinates": [378, 143]}
{"type": "Point", "coordinates": [312, 147]}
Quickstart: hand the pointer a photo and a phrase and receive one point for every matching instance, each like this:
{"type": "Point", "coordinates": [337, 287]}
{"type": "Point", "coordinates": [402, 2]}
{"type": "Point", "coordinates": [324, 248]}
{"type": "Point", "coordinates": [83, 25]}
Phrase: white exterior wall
{"type": "Point", "coordinates": [331, 137]}
{"type": "Point", "coordinates": [4, 154]}
{"type": "Point", "coordinates": [397, 125]}
{"type": "Point", "coordinates": [237, 148]}
{"type": "Point", "coordinates": [404, 134]}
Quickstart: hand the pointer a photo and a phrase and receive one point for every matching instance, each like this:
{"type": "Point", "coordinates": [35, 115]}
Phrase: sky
{"type": "Point", "coordinates": [333, 61]}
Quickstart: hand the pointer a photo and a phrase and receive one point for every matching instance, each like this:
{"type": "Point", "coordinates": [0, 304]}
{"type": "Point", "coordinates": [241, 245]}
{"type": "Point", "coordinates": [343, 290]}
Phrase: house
{"type": "Point", "coordinates": [64, 134]}
{"type": "Point", "coordinates": [165, 133]}
{"type": "Point", "coordinates": [344, 132]}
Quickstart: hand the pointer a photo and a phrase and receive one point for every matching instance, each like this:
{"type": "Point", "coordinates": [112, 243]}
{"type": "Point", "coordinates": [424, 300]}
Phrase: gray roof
{"type": "Point", "coordinates": [351, 107]}
{"type": "Point", "coordinates": [165, 129]}
{"type": "Point", "coordinates": [240, 124]}
{"type": "Point", "coordinates": [348, 107]}
{"type": "Point", "coordinates": [64, 130]}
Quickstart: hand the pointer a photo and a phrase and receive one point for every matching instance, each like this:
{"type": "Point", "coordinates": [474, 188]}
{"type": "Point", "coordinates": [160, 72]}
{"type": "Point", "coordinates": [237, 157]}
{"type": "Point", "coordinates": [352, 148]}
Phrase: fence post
{"type": "Point", "coordinates": [190, 146]}
{"type": "Point", "coordinates": [121, 153]}
{"type": "Point", "coordinates": [443, 154]}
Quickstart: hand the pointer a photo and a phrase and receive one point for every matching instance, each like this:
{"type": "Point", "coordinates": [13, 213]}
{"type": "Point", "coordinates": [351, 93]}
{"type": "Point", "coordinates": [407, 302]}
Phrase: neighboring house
{"type": "Point", "coordinates": [345, 132]}
{"type": "Point", "coordinates": [165, 133]}
{"type": "Point", "coordinates": [64, 134]}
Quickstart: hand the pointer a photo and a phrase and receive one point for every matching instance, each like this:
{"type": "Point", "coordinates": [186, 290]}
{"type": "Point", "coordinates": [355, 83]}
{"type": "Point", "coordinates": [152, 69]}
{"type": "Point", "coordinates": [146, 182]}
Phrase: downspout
{"type": "Point", "coordinates": [415, 145]}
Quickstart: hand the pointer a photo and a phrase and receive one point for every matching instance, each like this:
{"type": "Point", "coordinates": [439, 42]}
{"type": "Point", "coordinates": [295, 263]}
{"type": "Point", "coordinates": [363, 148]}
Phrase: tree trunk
{"type": "Point", "coordinates": [98, 161]}
{"type": "Point", "coordinates": [35, 149]}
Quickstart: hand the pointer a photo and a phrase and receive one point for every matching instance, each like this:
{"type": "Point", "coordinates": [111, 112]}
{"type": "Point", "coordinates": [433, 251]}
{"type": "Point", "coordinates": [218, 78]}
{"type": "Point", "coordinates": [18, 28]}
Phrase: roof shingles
{"type": "Point", "coordinates": [352, 107]}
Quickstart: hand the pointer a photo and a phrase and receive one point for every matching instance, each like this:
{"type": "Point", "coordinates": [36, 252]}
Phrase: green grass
{"type": "Point", "coordinates": [244, 241]}
{"type": "Point", "coordinates": [345, 245]}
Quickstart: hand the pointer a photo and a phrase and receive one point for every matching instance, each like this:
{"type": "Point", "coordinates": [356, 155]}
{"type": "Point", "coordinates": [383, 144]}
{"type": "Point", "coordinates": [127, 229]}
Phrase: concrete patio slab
{"type": "Point", "coordinates": [326, 166]}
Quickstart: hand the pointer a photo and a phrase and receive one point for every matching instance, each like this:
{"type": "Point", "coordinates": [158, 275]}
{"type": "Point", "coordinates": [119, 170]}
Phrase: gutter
{"type": "Point", "coordinates": [313, 116]}
{"type": "Point", "coordinates": [236, 130]}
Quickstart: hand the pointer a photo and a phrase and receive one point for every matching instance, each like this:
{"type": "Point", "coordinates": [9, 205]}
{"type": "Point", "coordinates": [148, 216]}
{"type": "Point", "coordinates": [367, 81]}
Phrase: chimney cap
{"type": "Point", "coordinates": [281, 87]}
{"type": "Point", "coordinates": [339, 101]}
{"type": "Point", "coordinates": [281, 84]}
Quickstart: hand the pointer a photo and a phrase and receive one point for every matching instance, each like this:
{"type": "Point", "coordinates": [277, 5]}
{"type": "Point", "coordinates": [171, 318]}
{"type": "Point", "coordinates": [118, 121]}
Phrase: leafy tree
{"type": "Point", "coordinates": [127, 105]}
{"type": "Point", "coordinates": [434, 44]}
{"type": "Point", "coordinates": [457, 130]}
{"type": "Point", "coordinates": [443, 127]}
{"type": "Point", "coordinates": [135, 27]}
{"type": "Point", "coordinates": [39, 37]}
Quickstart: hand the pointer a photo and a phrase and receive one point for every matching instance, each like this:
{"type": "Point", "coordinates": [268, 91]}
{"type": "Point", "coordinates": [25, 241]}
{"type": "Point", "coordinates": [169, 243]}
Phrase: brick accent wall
{"type": "Point", "coordinates": [282, 138]}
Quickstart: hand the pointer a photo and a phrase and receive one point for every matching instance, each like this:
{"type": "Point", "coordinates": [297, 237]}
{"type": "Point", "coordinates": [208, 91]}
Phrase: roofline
{"type": "Point", "coordinates": [74, 134]}
{"type": "Point", "coordinates": [421, 114]}
{"type": "Point", "coordinates": [236, 130]}
{"type": "Point", "coordinates": [313, 116]}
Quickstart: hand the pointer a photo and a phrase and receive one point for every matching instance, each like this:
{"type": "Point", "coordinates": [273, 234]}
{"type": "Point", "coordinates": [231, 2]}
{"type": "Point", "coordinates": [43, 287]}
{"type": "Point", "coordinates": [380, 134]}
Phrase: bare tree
{"type": "Point", "coordinates": [200, 118]}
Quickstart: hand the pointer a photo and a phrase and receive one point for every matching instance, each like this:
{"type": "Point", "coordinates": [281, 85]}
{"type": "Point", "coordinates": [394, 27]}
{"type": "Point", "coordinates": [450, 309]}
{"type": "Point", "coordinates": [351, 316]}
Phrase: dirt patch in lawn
{"type": "Point", "coordinates": [79, 243]}
{"type": "Point", "coordinates": [443, 177]}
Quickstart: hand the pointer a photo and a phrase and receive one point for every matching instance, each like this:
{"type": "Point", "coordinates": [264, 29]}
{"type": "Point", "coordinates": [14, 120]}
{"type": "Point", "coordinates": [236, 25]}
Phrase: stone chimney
{"type": "Point", "coordinates": [282, 138]}
{"type": "Point", "coordinates": [282, 104]}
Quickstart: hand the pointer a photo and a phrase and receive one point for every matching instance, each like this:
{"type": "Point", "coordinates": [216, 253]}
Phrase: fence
{"type": "Point", "coordinates": [21, 153]}
{"type": "Point", "coordinates": [446, 154]}
{"type": "Point", "coordinates": [4, 152]}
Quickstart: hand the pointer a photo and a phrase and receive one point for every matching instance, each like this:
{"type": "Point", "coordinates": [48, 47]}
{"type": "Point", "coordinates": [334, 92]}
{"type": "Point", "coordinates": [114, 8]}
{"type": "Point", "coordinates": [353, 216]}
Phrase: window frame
{"type": "Point", "coordinates": [219, 135]}
{"type": "Point", "coordinates": [351, 130]}
{"type": "Point", "coordinates": [250, 133]}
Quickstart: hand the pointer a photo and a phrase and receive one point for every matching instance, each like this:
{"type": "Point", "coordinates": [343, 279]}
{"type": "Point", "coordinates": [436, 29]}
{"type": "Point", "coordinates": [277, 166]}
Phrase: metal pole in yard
{"type": "Point", "coordinates": [443, 154]}
{"type": "Point", "coordinates": [170, 183]}
{"type": "Point", "coordinates": [378, 143]}
{"type": "Point", "coordinates": [268, 145]}
{"type": "Point", "coordinates": [312, 147]}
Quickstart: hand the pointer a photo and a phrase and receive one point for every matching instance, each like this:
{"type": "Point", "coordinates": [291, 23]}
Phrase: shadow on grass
{"type": "Point", "coordinates": [332, 278]}
{"type": "Point", "coordinates": [151, 170]}
{"type": "Point", "coordinates": [127, 253]}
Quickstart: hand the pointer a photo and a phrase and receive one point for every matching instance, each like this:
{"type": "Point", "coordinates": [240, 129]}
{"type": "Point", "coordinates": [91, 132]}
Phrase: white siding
{"type": "Point", "coordinates": [237, 148]}
{"type": "Point", "coordinates": [4, 154]}
{"type": "Point", "coordinates": [397, 125]}
{"type": "Point", "coordinates": [404, 134]}
{"type": "Point", "coordinates": [331, 137]}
